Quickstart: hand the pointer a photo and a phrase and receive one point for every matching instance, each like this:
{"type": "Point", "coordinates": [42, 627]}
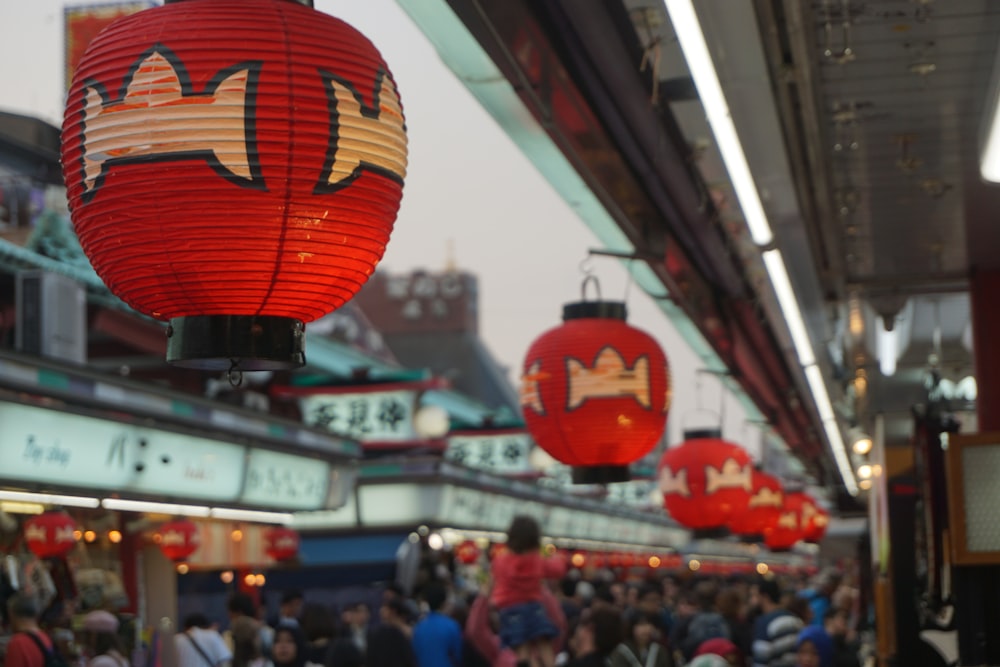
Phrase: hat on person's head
{"type": "Point", "coordinates": [100, 621]}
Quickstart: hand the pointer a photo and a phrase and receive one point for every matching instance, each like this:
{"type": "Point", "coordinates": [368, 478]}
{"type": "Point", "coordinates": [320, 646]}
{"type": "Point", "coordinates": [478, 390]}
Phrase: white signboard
{"type": "Point", "coordinates": [374, 416]}
{"type": "Point", "coordinates": [43, 445]}
{"type": "Point", "coordinates": [286, 481]}
{"type": "Point", "coordinates": [498, 453]}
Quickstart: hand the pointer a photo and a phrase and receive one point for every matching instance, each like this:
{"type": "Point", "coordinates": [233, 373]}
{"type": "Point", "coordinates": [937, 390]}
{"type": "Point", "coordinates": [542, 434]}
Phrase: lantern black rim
{"type": "Point", "coordinates": [600, 474]}
{"type": "Point", "coordinates": [606, 310]}
{"type": "Point", "coordinates": [236, 343]}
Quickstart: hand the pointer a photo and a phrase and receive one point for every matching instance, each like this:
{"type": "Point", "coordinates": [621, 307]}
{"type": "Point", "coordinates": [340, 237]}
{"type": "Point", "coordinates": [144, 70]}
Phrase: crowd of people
{"type": "Point", "coordinates": [526, 610]}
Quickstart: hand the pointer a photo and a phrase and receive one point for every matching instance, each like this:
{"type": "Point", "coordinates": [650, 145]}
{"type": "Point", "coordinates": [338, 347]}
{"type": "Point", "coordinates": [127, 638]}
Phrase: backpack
{"type": "Point", "coordinates": [705, 625]}
{"type": "Point", "coordinates": [51, 656]}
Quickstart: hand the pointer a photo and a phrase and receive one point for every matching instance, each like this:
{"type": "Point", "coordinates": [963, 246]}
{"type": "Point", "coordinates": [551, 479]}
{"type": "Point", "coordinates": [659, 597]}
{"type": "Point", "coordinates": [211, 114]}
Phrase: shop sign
{"type": "Point", "coordinates": [73, 450]}
{"type": "Point", "coordinates": [285, 481]}
{"type": "Point", "coordinates": [371, 416]}
{"type": "Point", "coordinates": [505, 453]}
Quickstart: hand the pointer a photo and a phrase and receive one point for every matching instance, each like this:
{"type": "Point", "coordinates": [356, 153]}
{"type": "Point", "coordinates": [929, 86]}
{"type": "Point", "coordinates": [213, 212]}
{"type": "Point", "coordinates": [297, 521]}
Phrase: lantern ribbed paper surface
{"type": "Point", "coordinates": [178, 539]}
{"type": "Point", "coordinates": [50, 534]}
{"type": "Point", "coordinates": [763, 509]}
{"type": "Point", "coordinates": [789, 528]}
{"type": "Point", "coordinates": [705, 482]}
{"type": "Point", "coordinates": [595, 392]}
{"type": "Point", "coordinates": [233, 158]}
{"type": "Point", "coordinates": [815, 520]}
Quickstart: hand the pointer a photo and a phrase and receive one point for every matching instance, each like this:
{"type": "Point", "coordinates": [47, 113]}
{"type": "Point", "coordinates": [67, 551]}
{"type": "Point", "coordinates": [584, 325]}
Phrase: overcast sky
{"type": "Point", "coordinates": [468, 186]}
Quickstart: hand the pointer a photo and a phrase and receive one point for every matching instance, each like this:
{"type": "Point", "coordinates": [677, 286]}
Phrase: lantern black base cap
{"type": "Point", "coordinates": [701, 433]}
{"type": "Point", "coordinates": [600, 474]}
{"type": "Point", "coordinates": [609, 310]}
{"type": "Point", "coordinates": [710, 533]}
{"type": "Point", "coordinates": [236, 343]}
{"type": "Point", "coordinates": [751, 538]}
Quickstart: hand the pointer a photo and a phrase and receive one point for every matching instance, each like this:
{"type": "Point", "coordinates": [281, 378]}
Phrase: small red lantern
{"type": "Point", "coordinates": [233, 167]}
{"type": "Point", "coordinates": [816, 520]}
{"type": "Point", "coordinates": [51, 534]}
{"type": "Point", "coordinates": [789, 528]}
{"type": "Point", "coordinates": [281, 543]}
{"type": "Point", "coordinates": [705, 481]}
{"type": "Point", "coordinates": [595, 392]}
{"type": "Point", "coordinates": [467, 553]}
{"type": "Point", "coordinates": [178, 539]}
{"type": "Point", "coordinates": [763, 510]}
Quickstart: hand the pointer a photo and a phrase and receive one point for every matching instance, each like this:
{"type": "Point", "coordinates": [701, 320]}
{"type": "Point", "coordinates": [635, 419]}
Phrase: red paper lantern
{"type": "Point", "coordinates": [764, 507]}
{"type": "Point", "coordinates": [50, 534]}
{"type": "Point", "coordinates": [705, 481]}
{"type": "Point", "coordinates": [815, 519]}
{"type": "Point", "coordinates": [234, 167]}
{"type": "Point", "coordinates": [178, 539]}
{"type": "Point", "coordinates": [789, 528]}
{"type": "Point", "coordinates": [281, 543]}
{"type": "Point", "coordinates": [595, 392]}
{"type": "Point", "coordinates": [467, 553]}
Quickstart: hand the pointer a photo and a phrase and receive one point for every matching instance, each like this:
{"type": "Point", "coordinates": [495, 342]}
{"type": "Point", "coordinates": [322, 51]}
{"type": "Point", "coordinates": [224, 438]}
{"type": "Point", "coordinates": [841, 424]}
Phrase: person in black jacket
{"type": "Point", "coordinates": [845, 652]}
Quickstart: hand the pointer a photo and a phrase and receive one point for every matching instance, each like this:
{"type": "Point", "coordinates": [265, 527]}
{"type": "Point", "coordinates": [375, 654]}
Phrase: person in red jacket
{"type": "Point", "coordinates": [518, 575]}
{"type": "Point", "coordinates": [28, 645]}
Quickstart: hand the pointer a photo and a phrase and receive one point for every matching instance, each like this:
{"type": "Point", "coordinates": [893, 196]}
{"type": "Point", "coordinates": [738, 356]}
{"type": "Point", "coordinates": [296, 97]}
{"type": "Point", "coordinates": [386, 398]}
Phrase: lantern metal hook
{"type": "Point", "coordinates": [234, 374]}
{"type": "Point", "coordinates": [587, 280]}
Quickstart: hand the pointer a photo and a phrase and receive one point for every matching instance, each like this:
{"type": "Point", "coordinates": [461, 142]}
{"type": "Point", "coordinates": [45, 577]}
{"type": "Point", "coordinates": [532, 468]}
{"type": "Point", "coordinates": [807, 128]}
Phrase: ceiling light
{"type": "Point", "coordinates": [20, 507]}
{"type": "Point", "coordinates": [862, 444]}
{"type": "Point", "coordinates": [865, 484]}
{"type": "Point", "coordinates": [865, 471]}
{"type": "Point", "coordinates": [699, 60]}
{"type": "Point", "coordinates": [887, 349]}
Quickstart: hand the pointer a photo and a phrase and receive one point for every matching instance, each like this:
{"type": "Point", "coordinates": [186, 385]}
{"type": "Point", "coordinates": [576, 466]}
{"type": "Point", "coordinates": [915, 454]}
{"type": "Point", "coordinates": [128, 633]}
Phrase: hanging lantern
{"type": "Point", "coordinates": [281, 543]}
{"type": "Point", "coordinates": [762, 511]}
{"type": "Point", "coordinates": [705, 481]}
{"type": "Point", "coordinates": [178, 539]}
{"type": "Point", "coordinates": [50, 534]}
{"type": "Point", "coordinates": [595, 392]}
{"type": "Point", "coordinates": [815, 520]}
{"type": "Point", "coordinates": [789, 528]}
{"type": "Point", "coordinates": [467, 553]}
{"type": "Point", "coordinates": [233, 167]}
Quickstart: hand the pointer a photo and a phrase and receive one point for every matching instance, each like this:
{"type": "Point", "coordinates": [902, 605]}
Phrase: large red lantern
{"type": "Point", "coordinates": [178, 539]}
{"type": "Point", "coordinates": [595, 392]}
{"type": "Point", "coordinates": [705, 481]}
{"type": "Point", "coordinates": [815, 520]}
{"type": "Point", "coordinates": [233, 167]}
{"type": "Point", "coordinates": [51, 534]}
{"type": "Point", "coordinates": [762, 511]}
{"type": "Point", "coordinates": [281, 543]}
{"type": "Point", "coordinates": [789, 528]}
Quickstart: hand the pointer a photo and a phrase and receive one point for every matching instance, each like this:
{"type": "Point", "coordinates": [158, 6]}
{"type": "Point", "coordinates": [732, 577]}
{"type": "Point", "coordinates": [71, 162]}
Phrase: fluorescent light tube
{"type": "Point", "coordinates": [157, 508]}
{"type": "Point", "coordinates": [989, 149]}
{"type": "Point", "coordinates": [250, 515]}
{"type": "Point", "coordinates": [775, 266]}
{"type": "Point", "coordinates": [818, 388]}
{"type": "Point", "coordinates": [887, 349]}
{"type": "Point", "coordinates": [50, 499]}
{"type": "Point", "coordinates": [832, 429]}
{"type": "Point", "coordinates": [706, 80]}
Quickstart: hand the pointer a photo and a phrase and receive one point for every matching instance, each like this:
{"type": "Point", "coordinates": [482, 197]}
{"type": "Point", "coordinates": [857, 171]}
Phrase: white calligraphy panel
{"type": "Point", "coordinates": [375, 416]}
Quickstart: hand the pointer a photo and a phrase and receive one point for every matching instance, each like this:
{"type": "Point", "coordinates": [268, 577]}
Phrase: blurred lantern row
{"type": "Point", "coordinates": [711, 486]}
{"type": "Point", "coordinates": [627, 563]}
{"type": "Point", "coordinates": [54, 534]}
{"type": "Point", "coordinates": [595, 394]}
